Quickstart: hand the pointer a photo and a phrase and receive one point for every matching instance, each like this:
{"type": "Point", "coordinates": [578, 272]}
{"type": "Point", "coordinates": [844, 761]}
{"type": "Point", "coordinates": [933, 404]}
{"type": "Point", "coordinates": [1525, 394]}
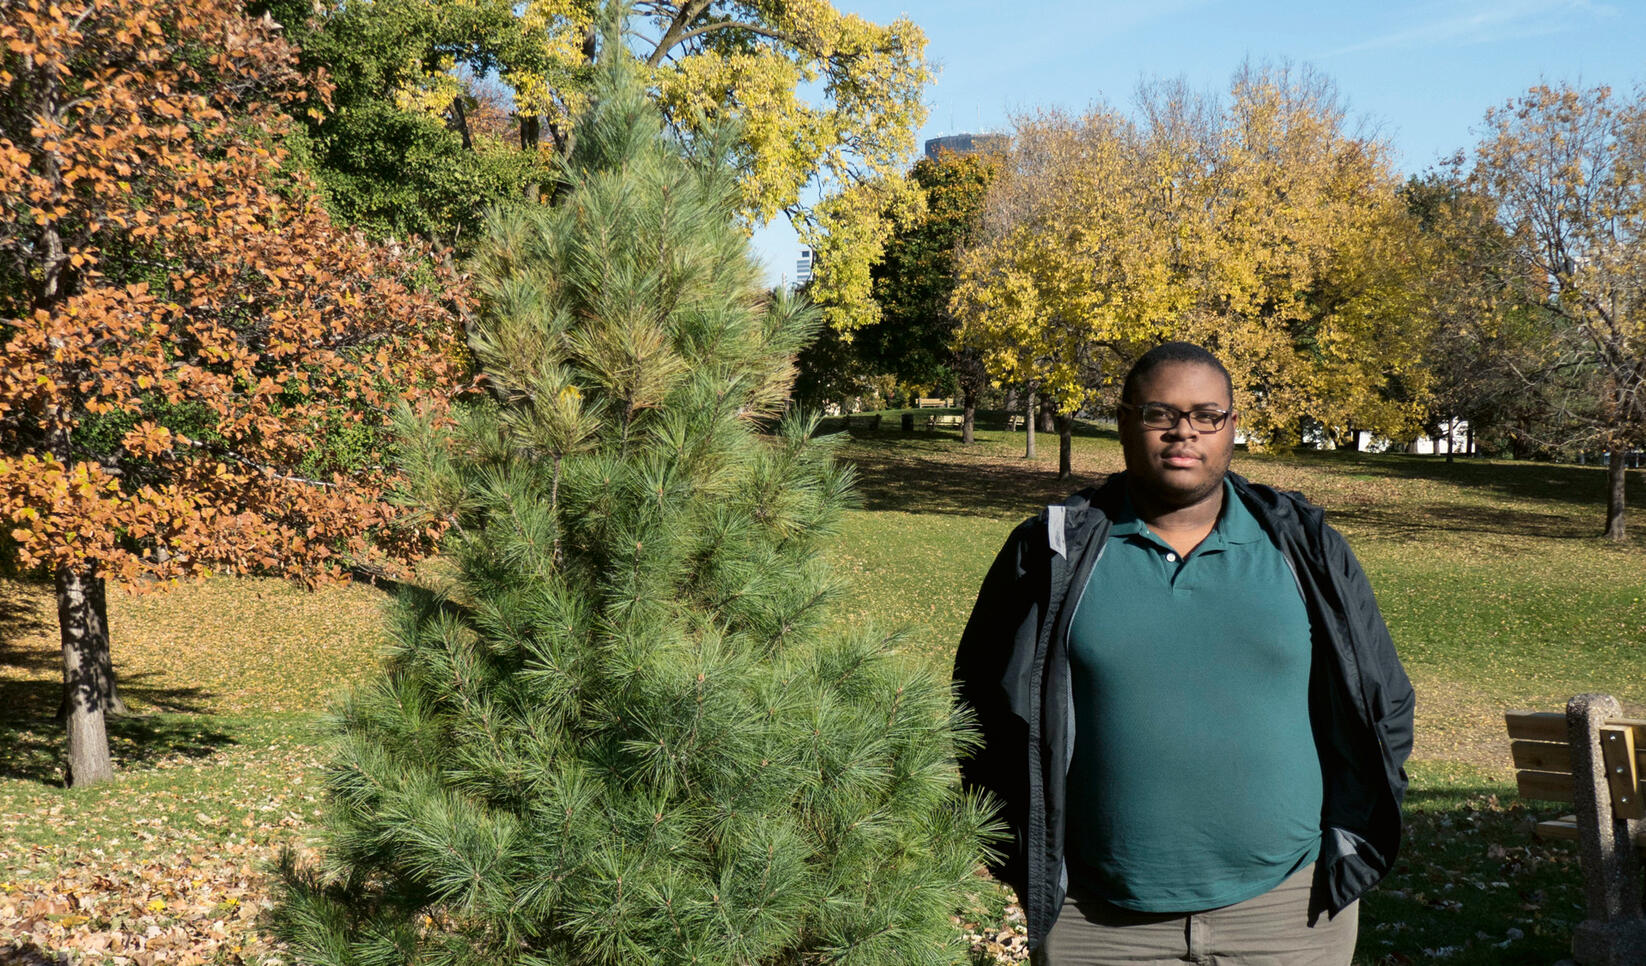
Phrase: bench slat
{"type": "Point", "coordinates": [1635, 725]}
{"type": "Point", "coordinates": [1536, 725]}
{"type": "Point", "coordinates": [1638, 726]}
{"type": "Point", "coordinates": [1553, 785]}
{"type": "Point", "coordinates": [1542, 755]}
{"type": "Point", "coordinates": [1559, 829]}
{"type": "Point", "coordinates": [1551, 726]}
{"type": "Point", "coordinates": [1617, 749]}
{"type": "Point", "coordinates": [1544, 785]}
{"type": "Point", "coordinates": [1564, 829]}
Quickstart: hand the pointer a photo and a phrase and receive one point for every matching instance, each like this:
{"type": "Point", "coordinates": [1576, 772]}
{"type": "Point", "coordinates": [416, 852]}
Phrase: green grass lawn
{"type": "Point", "coordinates": [1493, 582]}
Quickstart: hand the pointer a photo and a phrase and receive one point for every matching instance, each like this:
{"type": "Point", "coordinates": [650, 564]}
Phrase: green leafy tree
{"type": "Point", "coordinates": [408, 139]}
{"type": "Point", "coordinates": [914, 338]}
{"type": "Point", "coordinates": [625, 730]}
{"type": "Point", "coordinates": [444, 107]}
{"type": "Point", "coordinates": [829, 371]}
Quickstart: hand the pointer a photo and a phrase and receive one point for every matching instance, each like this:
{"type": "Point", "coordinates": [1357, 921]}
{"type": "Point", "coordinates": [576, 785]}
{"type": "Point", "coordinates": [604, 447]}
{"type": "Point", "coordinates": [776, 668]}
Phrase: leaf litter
{"type": "Point", "coordinates": [171, 863]}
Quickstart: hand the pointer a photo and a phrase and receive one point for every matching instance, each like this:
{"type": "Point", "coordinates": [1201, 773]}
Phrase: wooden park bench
{"type": "Point", "coordinates": [1014, 423]}
{"type": "Point", "coordinates": [1594, 758]}
{"type": "Point", "coordinates": [871, 423]}
{"type": "Point", "coordinates": [946, 420]}
{"type": "Point", "coordinates": [928, 403]}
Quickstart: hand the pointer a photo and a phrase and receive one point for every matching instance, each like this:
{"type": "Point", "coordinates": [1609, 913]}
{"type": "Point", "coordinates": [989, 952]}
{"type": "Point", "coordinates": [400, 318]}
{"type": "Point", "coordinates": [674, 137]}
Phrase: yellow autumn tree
{"type": "Point", "coordinates": [1071, 273]}
{"type": "Point", "coordinates": [1306, 282]}
{"type": "Point", "coordinates": [1266, 228]}
{"type": "Point", "coordinates": [823, 100]}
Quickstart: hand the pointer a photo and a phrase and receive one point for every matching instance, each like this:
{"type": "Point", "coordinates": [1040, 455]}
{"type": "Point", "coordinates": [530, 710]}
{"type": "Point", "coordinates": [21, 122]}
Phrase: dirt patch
{"type": "Point", "coordinates": [1457, 724]}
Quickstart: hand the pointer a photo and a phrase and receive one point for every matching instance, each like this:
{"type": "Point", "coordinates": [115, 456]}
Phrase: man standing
{"type": "Point", "coordinates": [1191, 710]}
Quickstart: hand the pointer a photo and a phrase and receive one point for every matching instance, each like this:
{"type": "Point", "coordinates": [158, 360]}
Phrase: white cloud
{"type": "Point", "coordinates": [1487, 23]}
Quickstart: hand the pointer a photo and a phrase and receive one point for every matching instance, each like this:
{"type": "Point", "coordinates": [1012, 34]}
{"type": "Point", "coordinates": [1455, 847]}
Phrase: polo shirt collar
{"type": "Point", "coordinates": [1235, 524]}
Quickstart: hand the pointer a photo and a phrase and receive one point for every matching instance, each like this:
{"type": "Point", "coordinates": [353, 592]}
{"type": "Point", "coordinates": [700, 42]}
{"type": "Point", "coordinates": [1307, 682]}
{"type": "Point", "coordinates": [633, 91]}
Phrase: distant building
{"type": "Point", "coordinates": [803, 267]}
{"type": "Point", "coordinates": [966, 144]}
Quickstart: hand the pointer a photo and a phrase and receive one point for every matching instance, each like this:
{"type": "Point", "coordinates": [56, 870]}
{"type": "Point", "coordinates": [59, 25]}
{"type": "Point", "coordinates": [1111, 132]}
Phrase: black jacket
{"type": "Point", "coordinates": [1012, 669]}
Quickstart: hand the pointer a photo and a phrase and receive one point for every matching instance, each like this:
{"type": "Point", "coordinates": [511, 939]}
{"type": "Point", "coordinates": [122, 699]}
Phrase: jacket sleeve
{"type": "Point", "coordinates": [1386, 688]}
{"type": "Point", "coordinates": [994, 652]}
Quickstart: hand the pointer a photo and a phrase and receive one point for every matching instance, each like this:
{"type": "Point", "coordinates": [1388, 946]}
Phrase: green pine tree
{"type": "Point", "coordinates": [623, 729]}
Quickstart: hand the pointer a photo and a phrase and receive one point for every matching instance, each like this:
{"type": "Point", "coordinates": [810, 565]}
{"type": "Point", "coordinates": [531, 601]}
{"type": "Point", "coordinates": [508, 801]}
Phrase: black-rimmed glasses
{"type": "Point", "coordinates": [1162, 416]}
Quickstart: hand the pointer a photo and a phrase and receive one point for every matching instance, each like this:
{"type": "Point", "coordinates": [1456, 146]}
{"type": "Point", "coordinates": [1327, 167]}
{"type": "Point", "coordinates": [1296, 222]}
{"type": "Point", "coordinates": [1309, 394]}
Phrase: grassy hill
{"type": "Point", "coordinates": [1493, 582]}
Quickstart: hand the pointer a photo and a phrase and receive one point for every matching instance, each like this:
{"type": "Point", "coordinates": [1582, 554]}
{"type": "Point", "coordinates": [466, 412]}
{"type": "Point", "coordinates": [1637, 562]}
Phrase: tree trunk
{"type": "Point", "coordinates": [108, 691]}
{"type": "Point", "coordinates": [1469, 449]}
{"type": "Point", "coordinates": [531, 130]}
{"type": "Point", "coordinates": [1615, 478]}
{"type": "Point", "coordinates": [1065, 445]}
{"type": "Point", "coordinates": [969, 417]}
{"type": "Point", "coordinates": [1451, 428]}
{"type": "Point", "coordinates": [1047, 423]}
{"type": "Point", "coordinates": [1028, 423]}
{"type": "Point", "coordinates": [457, 119]}
{"type": "Point", "coordinates": [83, 689]}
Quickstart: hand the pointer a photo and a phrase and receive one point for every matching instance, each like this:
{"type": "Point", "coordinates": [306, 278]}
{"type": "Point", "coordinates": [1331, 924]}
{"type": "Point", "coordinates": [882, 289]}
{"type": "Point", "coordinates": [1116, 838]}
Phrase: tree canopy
{"type": "Point", "coordinates": [1262, 226]}
{"type": "Point", "coordinates": [1566, 170]}
{"type": "Point", "coordinates": [915, 336]}
{"type": "Point", "coordinates": [195, 363]}
{"type": "Point", "coordinates": [623, 729]}
{"type": "Point", "coordinates": [444, 107]}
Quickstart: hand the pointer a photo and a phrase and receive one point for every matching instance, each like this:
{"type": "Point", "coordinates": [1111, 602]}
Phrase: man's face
{"type": "Point", "coordinates": [1182, 465]}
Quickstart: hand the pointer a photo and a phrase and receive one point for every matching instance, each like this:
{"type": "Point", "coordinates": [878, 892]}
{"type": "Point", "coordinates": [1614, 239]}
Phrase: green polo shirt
{"type": "Point", "coordinates": [1195, 782]}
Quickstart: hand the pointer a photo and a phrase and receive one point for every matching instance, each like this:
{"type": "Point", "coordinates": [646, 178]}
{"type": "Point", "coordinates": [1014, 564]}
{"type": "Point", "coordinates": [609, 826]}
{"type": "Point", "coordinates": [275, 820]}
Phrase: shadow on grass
{"type": "Point", "coordinates": [32, 744]}
{"type": "Point", "coordinates": [19, 618]}
{"type": "Point", "coordinates": [938, 484]}
{"type": "Point", "coordinates": [1472, 886]}
{"type": "Point", "coordinates": [1406, 521]}
{"type": "Point", "coordinates": [920, 472]}
{"type": "Point", "coordinates": [29, 954]}
{"type": "Point", "coordinates": [35, 750]}
{"type": "Point", "coordinates": [1583, 486]}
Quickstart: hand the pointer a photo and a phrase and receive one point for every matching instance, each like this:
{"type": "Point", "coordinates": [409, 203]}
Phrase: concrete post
{"type": "Point", "coordinates": [1614, 934]}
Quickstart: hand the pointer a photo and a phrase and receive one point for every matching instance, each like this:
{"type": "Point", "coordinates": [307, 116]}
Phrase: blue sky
{"type": "Point", "coordinates": [1422, 71]}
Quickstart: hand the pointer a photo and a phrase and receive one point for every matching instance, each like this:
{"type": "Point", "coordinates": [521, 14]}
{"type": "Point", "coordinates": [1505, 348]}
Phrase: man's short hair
{"type": "Point", "coordinates": [1167, 353]}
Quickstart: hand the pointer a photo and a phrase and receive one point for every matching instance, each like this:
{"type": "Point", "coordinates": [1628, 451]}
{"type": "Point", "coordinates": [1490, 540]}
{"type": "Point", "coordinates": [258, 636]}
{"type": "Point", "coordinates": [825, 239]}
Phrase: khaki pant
{"type": "Point", "coordinates": [1269, 930]}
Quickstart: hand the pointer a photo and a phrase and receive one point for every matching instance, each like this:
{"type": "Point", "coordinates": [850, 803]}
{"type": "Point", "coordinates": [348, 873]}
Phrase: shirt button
{"type": "Point", "coordinates": [1171, 558]}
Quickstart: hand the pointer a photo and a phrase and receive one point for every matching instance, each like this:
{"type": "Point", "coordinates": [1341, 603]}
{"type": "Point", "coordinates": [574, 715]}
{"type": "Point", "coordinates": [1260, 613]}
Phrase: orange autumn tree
{"type": "Point", "coordinates": [196, 366]}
